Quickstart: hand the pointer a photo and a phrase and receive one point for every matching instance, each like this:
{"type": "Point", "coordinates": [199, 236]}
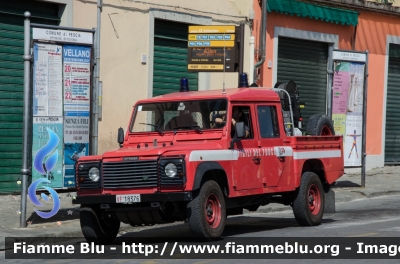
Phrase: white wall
{"type": "Point", "coordinates": [127, 33]}
{"type": "Point", "coordinates": [127, 28]}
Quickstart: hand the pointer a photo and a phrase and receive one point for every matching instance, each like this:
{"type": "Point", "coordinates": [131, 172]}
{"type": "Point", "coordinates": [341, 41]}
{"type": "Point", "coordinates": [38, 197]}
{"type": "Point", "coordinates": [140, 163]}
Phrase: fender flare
{"type": "Point", "coordinates": [202, 169]}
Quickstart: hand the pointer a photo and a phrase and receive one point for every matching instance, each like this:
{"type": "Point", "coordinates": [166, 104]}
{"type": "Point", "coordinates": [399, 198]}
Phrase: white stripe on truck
{"type": "Point", "coordinates": [219, 155]}
{"type": "Point", "coordinates": [212, 155]}
{"type": "Point", "coordinates": [315, 154]}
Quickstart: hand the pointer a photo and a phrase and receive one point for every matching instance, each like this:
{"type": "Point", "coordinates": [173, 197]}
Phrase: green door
{"type": "Point", "coordinates": [305, 63]}
{"type": "Point", "coordinates": [12, 83]}
{"type": "Point", "coordinates": [170, 58]}
{"type": "Point", "coordinates": [392, 129]}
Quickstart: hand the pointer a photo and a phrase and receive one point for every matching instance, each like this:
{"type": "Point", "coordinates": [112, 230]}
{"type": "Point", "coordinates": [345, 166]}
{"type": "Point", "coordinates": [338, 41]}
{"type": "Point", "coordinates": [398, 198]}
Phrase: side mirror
{"type": "Point", "coordinates": [120, 136]}
{"type": "Point", "coordinates": [240, 130]}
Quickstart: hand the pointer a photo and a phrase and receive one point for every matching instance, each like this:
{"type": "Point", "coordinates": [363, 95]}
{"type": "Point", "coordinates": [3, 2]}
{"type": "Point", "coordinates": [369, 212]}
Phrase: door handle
{"type": "Point", "coordinates": [256, 159]}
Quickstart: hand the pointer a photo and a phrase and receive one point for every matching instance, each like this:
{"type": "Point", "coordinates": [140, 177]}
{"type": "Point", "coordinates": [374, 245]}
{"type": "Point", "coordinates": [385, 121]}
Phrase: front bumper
{"type": "Point", "coordinates": [144, 198]}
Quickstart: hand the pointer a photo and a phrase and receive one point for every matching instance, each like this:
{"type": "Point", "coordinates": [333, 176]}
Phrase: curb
{"type": "Point", "coordinates": [350, 196]}
{"type": "Point", "coordinates": [383, 193]}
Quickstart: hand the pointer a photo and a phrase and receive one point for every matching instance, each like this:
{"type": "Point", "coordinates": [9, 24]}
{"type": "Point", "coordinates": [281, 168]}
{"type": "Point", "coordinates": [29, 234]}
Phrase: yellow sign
{"type": "Point", "coordinates": [205, 67]}
{"type": "Point", "coordinates": [211, 29]}
{"type": "Point", "coordinates": [340, 124]}
{"type": "Point", "coordinates": [211, 37]}
{"type": "Point", "coordinates": [211, 43]}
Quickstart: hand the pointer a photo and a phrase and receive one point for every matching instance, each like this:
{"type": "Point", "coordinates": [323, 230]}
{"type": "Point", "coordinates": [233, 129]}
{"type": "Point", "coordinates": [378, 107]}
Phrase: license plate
{"type": "Point", "coordinates": [128, 198]}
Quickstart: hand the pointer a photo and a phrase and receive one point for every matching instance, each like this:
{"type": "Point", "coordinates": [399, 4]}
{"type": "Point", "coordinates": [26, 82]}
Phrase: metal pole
{"type": "Point", "coordinates": [241, 56]}
{"type": "Point", "coordinates": [330, 81]}
{"type": "Point", "coordinates": [25, 171]}
{"type": "Point", "coordinates": [95, 99]}
{"type": "Point", "coordinates": [364, 127]}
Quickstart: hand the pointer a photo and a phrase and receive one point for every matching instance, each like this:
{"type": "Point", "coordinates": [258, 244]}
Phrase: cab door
{"type": "Point", "coordinates": [270, 142]}
{"type": "Point", "coordinates": [247, 171]}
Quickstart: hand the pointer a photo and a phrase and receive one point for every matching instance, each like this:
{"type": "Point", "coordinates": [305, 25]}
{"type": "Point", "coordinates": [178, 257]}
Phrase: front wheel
{"type": "Point", "coordinates": [98, 229]}
{"type": "Point", "coordinates": [207, 212]}
{"type": "Point", "coordinates": [308, 206]}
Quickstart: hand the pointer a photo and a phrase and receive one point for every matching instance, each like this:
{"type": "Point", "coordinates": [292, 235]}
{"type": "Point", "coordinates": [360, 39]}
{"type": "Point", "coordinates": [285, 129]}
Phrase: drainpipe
{"type": "Point", "coordinates": [251, 73]}
{"type": "Point", "coordinates": [262, 36]}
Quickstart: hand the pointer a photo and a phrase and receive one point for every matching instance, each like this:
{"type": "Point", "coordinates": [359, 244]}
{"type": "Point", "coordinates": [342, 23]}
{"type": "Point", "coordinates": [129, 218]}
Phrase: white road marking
{"type": "Point", "coordinates": [390, 229]}
{"type": "Point", "coordinates": [358, 223]}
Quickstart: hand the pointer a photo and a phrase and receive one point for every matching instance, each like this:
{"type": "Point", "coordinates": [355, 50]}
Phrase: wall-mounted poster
{"type": "Point", "coordinates": [47, 150]}
{"type": "Point", "coordinates": [347, 108]}
{"type": "Point", "coordinates": [353, 138]}
{"type": "Point", "coordinates": [76, 108]}
{"type": "Point", "coordinates": [76, 78]}
{"type": "Point", "coordinates": [47, 80]}
{"type": "Point", "coordinates": [76, 144]}
{"type": "Point", "coordinates": [61, 100]}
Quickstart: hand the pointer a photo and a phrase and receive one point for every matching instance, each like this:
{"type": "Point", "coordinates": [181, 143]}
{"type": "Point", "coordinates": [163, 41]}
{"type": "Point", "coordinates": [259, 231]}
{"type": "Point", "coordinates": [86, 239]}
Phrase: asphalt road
{"type": "Point", "coordinates": [377, 217]}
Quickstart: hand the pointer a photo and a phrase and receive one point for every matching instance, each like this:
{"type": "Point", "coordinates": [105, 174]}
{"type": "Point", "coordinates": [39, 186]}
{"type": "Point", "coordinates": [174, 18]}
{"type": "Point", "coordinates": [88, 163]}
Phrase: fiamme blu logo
{"type": "Point", "coordinates": [44, 161]}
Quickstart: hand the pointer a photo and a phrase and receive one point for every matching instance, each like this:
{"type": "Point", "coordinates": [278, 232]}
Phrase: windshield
{"type": "Point", "coordinates": [180, 115]}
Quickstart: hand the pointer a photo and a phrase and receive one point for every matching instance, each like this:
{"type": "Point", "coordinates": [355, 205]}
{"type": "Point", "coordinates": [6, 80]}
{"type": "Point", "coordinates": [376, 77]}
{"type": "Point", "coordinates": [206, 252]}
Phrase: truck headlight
{"type": "Point", "coordinates": [94, 174]}
{"type": "Point", "coordinates": [171, 170]}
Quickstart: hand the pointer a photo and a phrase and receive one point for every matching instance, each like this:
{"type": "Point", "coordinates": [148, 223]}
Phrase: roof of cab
{"type": "Point", "coordinates": [233, 94]}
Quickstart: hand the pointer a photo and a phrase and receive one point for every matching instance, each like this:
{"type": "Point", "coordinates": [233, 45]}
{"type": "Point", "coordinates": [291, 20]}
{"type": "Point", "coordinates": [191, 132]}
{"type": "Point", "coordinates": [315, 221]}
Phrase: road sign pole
{"type": "Point", "coordinates": [25, 171]}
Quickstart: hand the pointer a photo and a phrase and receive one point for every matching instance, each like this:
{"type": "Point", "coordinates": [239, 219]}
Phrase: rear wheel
{"type": "Point", "coordinates": [207, 212]}
{"type": "Point", "coordinates": [320, 125]}
{"type": "Point", "coordinates": [308, 206]}
{"type": "Point", "coordinates": [98, 229]}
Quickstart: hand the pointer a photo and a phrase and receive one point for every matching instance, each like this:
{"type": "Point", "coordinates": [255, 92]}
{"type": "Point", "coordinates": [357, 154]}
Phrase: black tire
{"type": "Point", "coordinates": [95, 229]}
{"type": "Point", "coordinates": [320, 125]}
{"type": "Point", "coordinates": [207, 212]}
{"type": "Point", "coordinates": [308, 206]}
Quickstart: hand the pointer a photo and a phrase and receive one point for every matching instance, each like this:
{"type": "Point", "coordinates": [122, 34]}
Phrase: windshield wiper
{"type": "Point", "coordinates": [195, 127]}
{"type": "Point", "coordinates": [155, 126]}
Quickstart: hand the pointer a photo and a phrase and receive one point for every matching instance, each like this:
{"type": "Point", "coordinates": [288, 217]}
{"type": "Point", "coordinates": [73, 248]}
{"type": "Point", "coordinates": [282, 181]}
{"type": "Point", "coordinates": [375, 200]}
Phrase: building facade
{"type": "Point", "coordinates": [143, 53]}
{"type": "Point", "coordinates": [12, 77]}
{"type": "Point", "coordinates": [299, 47]}
{"type": "Point", "coordinates": [157, 30]}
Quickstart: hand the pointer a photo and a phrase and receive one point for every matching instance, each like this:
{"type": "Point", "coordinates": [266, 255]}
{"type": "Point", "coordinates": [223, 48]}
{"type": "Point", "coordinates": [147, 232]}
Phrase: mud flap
{"type": "Point", "coordinates": [330, 202]}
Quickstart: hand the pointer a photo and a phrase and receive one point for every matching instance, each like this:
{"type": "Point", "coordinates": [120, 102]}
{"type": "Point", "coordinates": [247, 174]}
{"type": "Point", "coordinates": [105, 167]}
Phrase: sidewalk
{"type": "Point", "coordinates": [379, 182]}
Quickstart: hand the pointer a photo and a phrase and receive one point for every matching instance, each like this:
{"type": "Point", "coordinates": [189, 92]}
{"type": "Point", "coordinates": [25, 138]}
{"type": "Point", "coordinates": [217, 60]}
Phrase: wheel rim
{"type": "Point", "coordinates": [326, 131]}
{"type": "Point", "coordinates": [213, 211]}
{"type": "Point", "coordinates": [314, 199]}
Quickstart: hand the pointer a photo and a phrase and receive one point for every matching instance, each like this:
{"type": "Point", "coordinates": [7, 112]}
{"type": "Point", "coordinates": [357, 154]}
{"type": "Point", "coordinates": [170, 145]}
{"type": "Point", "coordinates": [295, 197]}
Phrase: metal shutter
{"type": "Point", "coordinates": [12, 83]}
{"type": "Point", "coordinates": [170, 58]}
{"type": "Point", "coordinates": [392, 129]}
{"type": "Point", "coordinates": [305, 62]}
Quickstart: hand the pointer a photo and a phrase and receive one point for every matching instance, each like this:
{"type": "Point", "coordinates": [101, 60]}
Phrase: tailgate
{"type": "Point", "coordinates": [327, 149]}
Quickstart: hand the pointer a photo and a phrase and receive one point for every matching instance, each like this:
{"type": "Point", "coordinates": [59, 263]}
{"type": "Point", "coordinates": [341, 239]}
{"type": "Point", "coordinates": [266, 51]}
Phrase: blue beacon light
{"type": "Point", "coordinates": [243, 82]}
{"type": "Point", "coordinates": [184, 85]}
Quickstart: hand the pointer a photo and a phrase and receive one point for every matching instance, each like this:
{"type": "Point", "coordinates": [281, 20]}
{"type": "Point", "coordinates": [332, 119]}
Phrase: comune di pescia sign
{"type": "Point", "coordinates": [62, 35]}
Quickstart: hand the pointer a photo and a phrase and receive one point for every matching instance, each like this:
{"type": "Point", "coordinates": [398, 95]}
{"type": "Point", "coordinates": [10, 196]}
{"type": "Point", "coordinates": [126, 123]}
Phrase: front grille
{"type": "Point", "coordinates": [123, 174]}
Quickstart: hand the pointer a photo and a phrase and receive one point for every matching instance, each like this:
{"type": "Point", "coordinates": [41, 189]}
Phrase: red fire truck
{"type": "Point", "coordinates": [199, 156]}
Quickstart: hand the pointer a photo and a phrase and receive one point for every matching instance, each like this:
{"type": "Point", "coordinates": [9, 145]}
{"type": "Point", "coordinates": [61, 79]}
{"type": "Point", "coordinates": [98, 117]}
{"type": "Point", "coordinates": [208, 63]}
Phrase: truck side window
{"type": "Point", "coordinates": [242, 114]}
{"type": "Point", "coordinates": [268, 121]}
